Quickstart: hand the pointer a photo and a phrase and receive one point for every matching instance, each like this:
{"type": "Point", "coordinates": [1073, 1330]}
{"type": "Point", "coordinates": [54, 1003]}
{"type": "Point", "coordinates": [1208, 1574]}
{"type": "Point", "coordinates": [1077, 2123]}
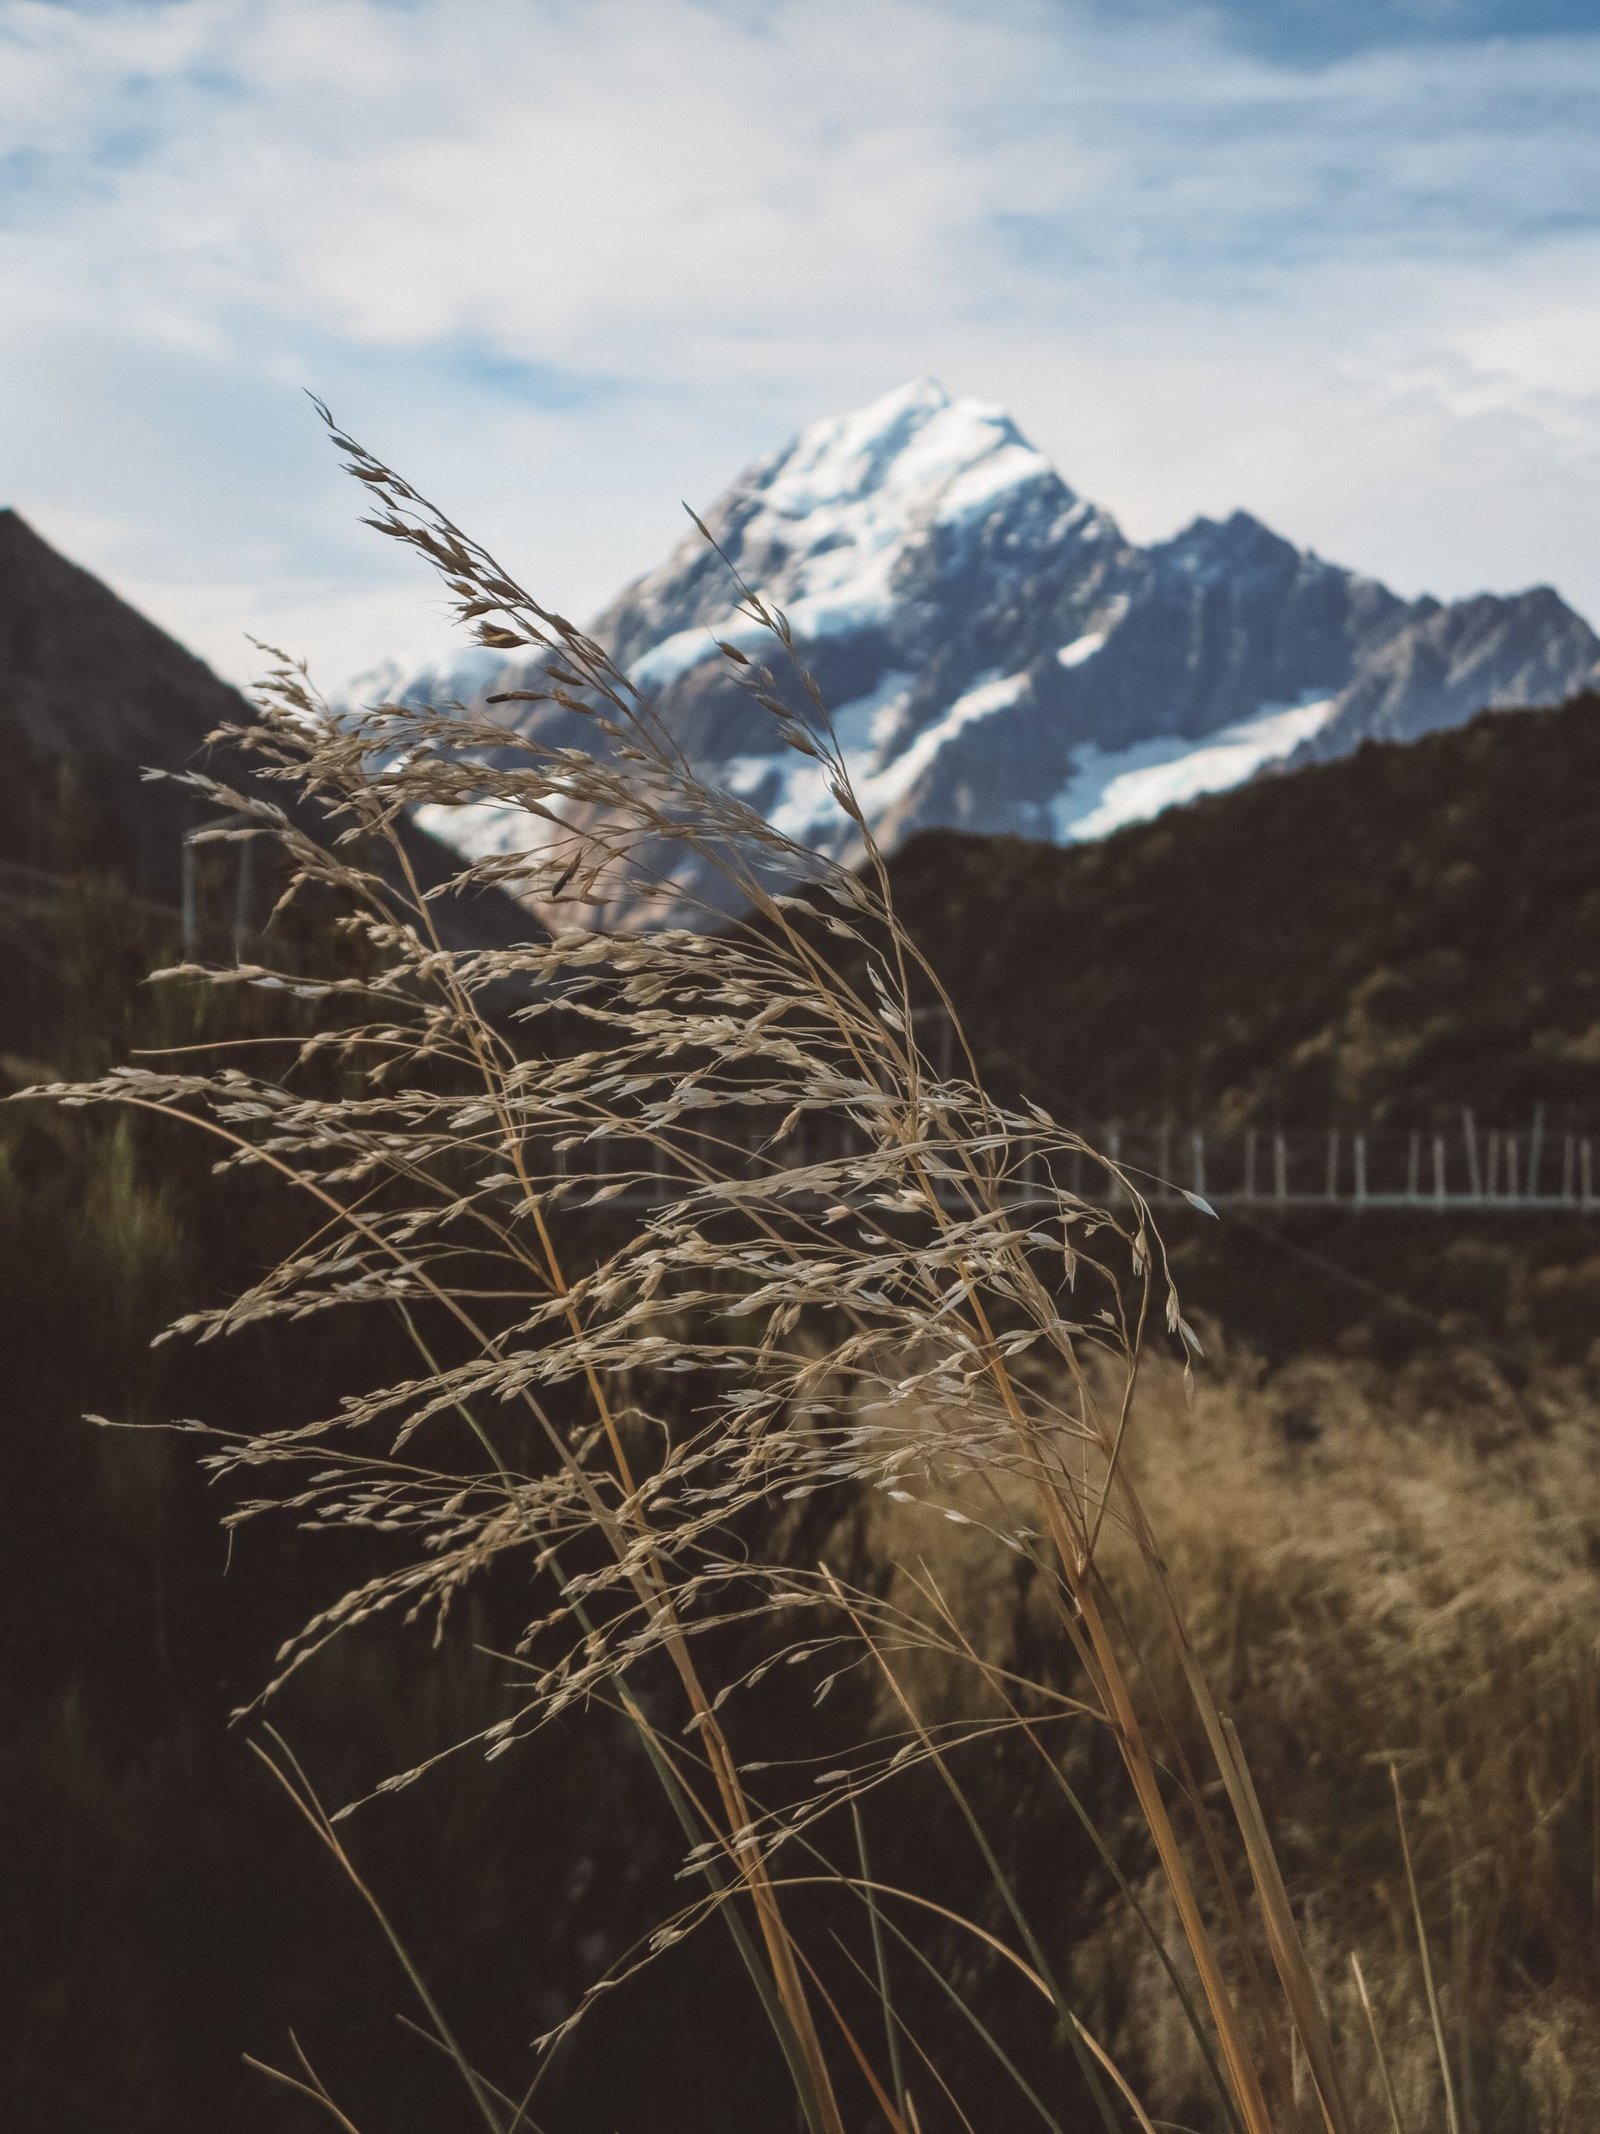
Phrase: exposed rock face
{"type": "Point", "coordinates": [998, 656]}
{"type": "Point", "coordinates": [1450, 663]}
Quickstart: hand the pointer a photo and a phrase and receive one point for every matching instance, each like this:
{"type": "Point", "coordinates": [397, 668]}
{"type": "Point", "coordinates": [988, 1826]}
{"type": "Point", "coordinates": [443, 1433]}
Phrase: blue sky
{"type": "Point", "coordinates": [567, 262]}
{"type": "Point", "coordinates": [1313, 30]}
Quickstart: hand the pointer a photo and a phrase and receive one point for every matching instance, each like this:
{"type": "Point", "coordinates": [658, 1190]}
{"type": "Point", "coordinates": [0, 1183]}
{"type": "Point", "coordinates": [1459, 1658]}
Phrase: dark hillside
{"type": "Point", "coordinates": [1375, 942]}
{"type": "Point", "coordinates": [1409, 929]}
{"type": "Point", "coordinates": [92, 695]}
{"type": "Point", "coordinates": [161, 1903]}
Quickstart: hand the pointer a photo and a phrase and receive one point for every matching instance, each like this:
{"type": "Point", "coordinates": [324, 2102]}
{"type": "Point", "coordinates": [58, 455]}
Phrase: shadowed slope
{"type": "Point", "coordinates": [92, 695]}
{"type": "Point", "coordinates": [1403, 929]}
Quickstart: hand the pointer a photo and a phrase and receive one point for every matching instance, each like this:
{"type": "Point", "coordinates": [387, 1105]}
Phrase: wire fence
{"type": "Point", "coordinates": [1470, 1170]}
{"type": "Point", "coordinates": [1464, 1166]}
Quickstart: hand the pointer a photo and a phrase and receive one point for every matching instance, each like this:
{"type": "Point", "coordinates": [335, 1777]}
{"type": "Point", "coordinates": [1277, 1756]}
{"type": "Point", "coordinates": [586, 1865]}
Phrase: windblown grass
{"type": "Point", "coordinates": [653, 1330]}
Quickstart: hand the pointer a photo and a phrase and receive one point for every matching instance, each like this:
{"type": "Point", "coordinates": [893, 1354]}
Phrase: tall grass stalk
{"type": "Point", "coordinates": [654, 1309]}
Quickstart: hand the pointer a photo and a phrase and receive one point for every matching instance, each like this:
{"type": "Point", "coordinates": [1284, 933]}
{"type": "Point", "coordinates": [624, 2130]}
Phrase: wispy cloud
{"type": "Point", "coordinates": [567, 263]}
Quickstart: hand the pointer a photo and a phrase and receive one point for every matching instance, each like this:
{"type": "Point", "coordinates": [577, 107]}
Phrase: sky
{"type": "Point", "coordinates": [570, 263]}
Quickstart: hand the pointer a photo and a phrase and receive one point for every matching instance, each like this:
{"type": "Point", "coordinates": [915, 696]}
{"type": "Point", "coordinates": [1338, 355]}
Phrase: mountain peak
{"type": "Point", "coordinates": [838, 525]}
{"type": "Point", "coordinates": [915, 451]}
{"type": "Point", "coordinates": [1207, 543]}
{"type": "Point", "coordinates": [997, 655]}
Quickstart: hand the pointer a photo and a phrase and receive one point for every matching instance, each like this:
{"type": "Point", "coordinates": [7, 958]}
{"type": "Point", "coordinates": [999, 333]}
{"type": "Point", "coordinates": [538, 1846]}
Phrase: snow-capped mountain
{"type": "Point", "coordinates": [999, 656]}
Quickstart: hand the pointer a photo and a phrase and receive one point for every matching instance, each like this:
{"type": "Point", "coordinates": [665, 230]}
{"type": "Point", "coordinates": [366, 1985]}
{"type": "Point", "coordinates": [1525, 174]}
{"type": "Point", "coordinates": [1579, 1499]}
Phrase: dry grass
{"type": "Point", "coordinates": [649, 1324]}
{"type": "Point", "coordinates": [1418, 1592]}
{"type": "Point", "coordinates": [1400, 1589]}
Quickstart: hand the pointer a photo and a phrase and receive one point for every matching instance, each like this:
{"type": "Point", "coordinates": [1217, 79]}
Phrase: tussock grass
{"type": "Point", "coordinates": [1410, 1591]}
{"type": "Point", "coordinates": [1402, 1592]}
{"type": "Point", "coordinates": [661, 1345]}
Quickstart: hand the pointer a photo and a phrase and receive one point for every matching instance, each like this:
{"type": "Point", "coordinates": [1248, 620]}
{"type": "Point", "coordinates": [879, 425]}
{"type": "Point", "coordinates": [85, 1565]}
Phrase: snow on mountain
{"type": "Point", "coordinates": [832, 529]}
{"type": "Point", "coordinates": [998, 656]}
{"type": "Point", "coordinates": [1112, 787]}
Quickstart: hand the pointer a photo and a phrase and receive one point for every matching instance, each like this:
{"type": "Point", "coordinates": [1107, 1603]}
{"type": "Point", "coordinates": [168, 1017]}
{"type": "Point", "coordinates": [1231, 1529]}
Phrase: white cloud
{"type": "Point", "coordinates": [569, 262]}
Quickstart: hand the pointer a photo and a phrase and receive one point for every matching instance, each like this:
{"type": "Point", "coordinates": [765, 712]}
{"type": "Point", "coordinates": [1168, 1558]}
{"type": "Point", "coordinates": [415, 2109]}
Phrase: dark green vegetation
{"type": "Point", "coordinates": [1407, 930]}
{"type": "Point", "coordinates": [1378, 940]}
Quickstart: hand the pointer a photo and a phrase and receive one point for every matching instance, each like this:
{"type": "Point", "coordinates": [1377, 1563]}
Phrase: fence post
{"type": "Point", "coordinates": [1280, 1165]}
{"type": "Point", "coordinates": [243, 897]}
{"type": "Point", "coordinates": [1469, 1134]}
{"type": "Point", "coordinates": [1438, 1170]}
{"type": "Point", "coordinates": [1333, 1163]}
{"type": "Point", "coordinates": [1361, 1169]}
{"type": "Point", "coordinates": [190, 920]}
{"type": "Point", "coordinates": [1512, 1181]}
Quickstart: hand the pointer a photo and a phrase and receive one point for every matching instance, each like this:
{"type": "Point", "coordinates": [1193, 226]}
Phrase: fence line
{"type": "Point", "coordinates": [1474, 1168]}
{"type": "Point", "coordinates": [1473, 1171]}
